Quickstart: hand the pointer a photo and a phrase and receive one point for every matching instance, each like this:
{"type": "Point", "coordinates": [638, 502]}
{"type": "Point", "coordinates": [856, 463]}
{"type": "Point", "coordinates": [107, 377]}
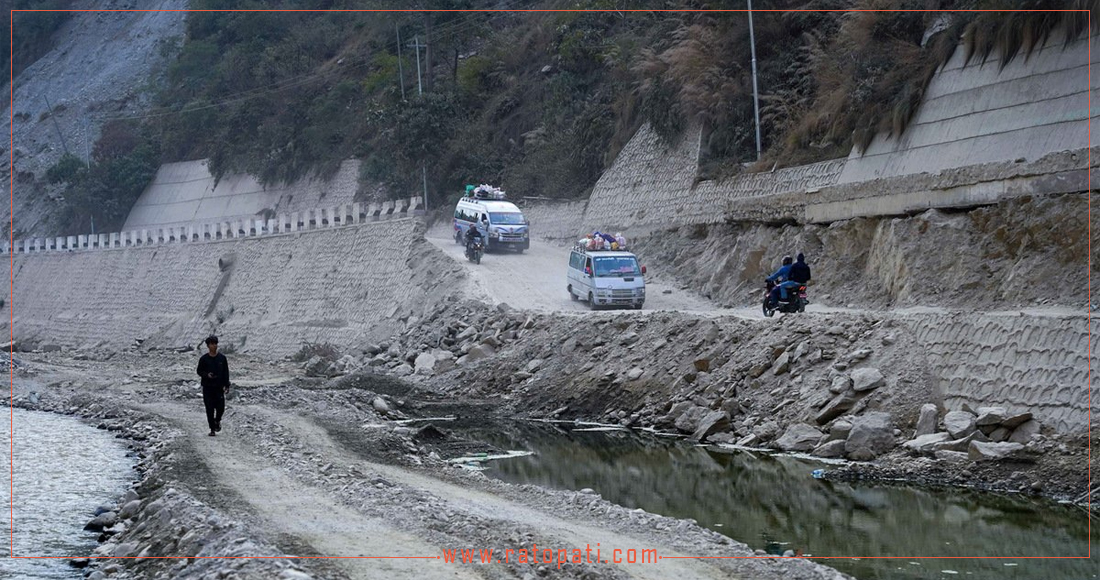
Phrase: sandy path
{"type": "Point", "coordinates": [288, 506]}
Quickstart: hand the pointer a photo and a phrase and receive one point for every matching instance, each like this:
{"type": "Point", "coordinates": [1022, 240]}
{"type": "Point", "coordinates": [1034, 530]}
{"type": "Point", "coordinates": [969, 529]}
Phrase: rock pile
{"type": "Point", "coordinates": [990, 434]}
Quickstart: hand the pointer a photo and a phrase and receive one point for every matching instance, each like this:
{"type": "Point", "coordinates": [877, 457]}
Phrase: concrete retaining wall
{"type": "Point", "coordinates": [311, 219]}
{"type": "Point", "coordinates": [981, 135]}
{"type": "Point", "coordinates": [974, 113]}
{"type": "Point", "coordinates": [1024, 363]}
{"type": "Point", "coordinates": [266, 294]}
{"type": "Point", "coordinates": [186, 192]}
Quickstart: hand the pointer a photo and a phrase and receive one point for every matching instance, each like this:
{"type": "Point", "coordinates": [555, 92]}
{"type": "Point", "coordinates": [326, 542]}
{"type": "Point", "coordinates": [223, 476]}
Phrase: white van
{"type": "Point", "coordinates": [606, 278]}
{"type": "Point", "coordinates": [501, 222]}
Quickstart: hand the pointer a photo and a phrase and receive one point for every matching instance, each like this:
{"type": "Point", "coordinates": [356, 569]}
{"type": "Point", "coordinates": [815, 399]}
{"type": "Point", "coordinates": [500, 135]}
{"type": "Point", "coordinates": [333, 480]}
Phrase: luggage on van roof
{"type": "Point", "coordinates": [485, 191]}
{"type": "Point", "coordinates": [597, 241]}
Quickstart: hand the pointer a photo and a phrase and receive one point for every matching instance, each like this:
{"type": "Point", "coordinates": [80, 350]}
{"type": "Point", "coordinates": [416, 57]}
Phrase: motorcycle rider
{"type": "Point", "coordinates": [472, 235]}
{"type": "Point", "coordinates": [781, 277]}
{"type": "Point", "coordinates": [800, 270]}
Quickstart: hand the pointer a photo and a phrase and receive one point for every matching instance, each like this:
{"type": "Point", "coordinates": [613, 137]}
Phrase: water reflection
{"type": "Point", "coordinates": [63, 469]}
{"type": "Point", "coordinates": [773, 502]}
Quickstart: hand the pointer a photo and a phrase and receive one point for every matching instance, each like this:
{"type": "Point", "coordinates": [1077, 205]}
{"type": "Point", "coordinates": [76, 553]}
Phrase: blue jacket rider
{"type": "Point", "coordinates": [782, 276]}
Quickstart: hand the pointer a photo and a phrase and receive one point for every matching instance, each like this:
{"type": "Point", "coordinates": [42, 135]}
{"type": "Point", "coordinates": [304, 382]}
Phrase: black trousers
{"type": "Point", "coordinates": [214, 400]}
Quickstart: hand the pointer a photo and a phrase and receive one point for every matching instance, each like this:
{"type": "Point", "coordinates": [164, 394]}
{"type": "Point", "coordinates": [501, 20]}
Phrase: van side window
{"type": "Point", "coordinates": [576, 261]}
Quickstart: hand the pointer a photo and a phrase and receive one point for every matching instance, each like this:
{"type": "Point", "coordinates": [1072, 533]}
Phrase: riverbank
{"type": "Point", "coordinates": [862, 386]}
{"type": "Point", "coordinates": [308, 466]}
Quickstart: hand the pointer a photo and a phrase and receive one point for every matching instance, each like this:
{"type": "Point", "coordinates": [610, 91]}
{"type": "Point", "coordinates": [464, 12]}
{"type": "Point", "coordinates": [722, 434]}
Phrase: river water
{"type": "Point", "coordinates": [774, 503]}
{"type": "Point", "coordinates": [63, 469]}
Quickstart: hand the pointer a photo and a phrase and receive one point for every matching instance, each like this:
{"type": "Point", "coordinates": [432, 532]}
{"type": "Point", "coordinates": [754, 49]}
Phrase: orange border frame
{"type": "Point", "coordinates": [11, 153]}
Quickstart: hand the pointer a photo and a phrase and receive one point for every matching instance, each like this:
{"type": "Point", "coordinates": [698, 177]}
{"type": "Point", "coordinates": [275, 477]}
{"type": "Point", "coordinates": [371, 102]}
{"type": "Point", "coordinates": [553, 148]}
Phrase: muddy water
{"type": "Point", "coordinates": [62, 469]}
{"type": "Point", "coordinates": [775, 504]}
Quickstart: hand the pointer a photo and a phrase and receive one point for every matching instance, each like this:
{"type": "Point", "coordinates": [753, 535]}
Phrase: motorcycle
{"type": "Point", "coordinates": [474, 250]}
{"type": "Point", "coordinates": [796, 300]}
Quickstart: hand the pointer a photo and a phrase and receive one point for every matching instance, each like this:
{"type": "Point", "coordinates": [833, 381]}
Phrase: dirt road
{"type": "Point", "coordinates": [536, 280]}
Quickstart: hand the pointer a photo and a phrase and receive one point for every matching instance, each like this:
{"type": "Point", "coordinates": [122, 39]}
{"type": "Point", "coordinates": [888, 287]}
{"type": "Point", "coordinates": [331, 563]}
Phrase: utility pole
{"type": "Point", "coordinates": [87, 151]}
{"type": "Point", "coordinates": [56, 126]}
{"type": "Point", "coordinates": [420, 92]}
{"type": "Point", "coordinates": [416, 45]}
{"type": "Point", "coordinates": [400, 67]}
{"type": "Point", "coordinates": [755, 93]}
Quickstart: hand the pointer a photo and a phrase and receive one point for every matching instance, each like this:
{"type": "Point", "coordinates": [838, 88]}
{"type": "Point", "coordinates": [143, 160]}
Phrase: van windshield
{"type": "Point", "coordinates": [506, 219]}
{"type": "Point", "coordinates": [616, 267]}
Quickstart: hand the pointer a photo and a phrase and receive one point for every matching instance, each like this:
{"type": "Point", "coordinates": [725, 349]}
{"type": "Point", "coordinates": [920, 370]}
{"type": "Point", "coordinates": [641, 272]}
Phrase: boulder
{"type": "Point", "coordinates": [867, 379]}
{"type": "Point", "coordinates": [840, 404]}
{"type": "Point", "coordinates": [782, 364]}
{"type": "Point", "coordinates": [702, 365]}
{"type": "Point", "coordinates": [960, 445]}
{"type": "Point", "coordinates": [979, 451]}
{"type": "Point", "coordinates": [470, 332]}
{"type": "Point", "coordinates": [833, 448]}
{"type": "Point", "coordinates": [1014, 421]}
{"type": "Point", "coordinates": [840, 384]}
{"type": "Point", "coordinates": [871, 436]}
{"type": "Point", "coordinates": [926, 424]}
{"type": "Point", "coordinates": [425, 364]}
{"type": "Point", "coordinates": [990, 416]}
{"type": "Point", "coordinates": [689, 420]}
{"type": "Point", "coordinates": [959, 424]}
{"type": "Point", "coordinates": [479, 352]}
{"type": "Point", "coordinates": [747, 440]}
{"type": "Point", "coordinates": [380, 405]}
{"type": "Point", "coordinates": [1000, 434]}
{"type": "Point", "coordinates": [926, 443]}
{"type": "Point", "coordinates": [766, 431]}
{"type": "Point", "coordinates": [634, 374]}
{"type": "Point", "coordinates": [533, 366]}
{"type": "Point", "coordinates": [675, 412]}
{"type": "Point", "coordinates": [799, 437]}
{"type": "Point", "coordinates": [129, 510]}
{"type": "Point", "coordinates": [711, 423]}
{"type": "Point", "coordinates": [103, 520]}
{"type": "Point", "coordinates": [1025, 432]}
{"type": "Point", "coordinates": [839, 431]}
{"type": "Point", "coordinates": [403, 370]}
{"type": "Point", "coordinates": [629, 338]}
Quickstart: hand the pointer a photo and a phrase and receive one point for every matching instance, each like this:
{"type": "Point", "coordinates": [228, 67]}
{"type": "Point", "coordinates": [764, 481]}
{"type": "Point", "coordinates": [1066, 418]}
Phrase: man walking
{"type": "Point", "coordinates": [214, 371]}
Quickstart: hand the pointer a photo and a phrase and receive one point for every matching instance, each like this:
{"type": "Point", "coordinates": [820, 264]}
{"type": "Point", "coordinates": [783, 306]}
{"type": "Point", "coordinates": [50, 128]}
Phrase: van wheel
{"type": "Point", "coordinates": [591, 301]}
{"type": "Point", "coordinates": [572, 296]}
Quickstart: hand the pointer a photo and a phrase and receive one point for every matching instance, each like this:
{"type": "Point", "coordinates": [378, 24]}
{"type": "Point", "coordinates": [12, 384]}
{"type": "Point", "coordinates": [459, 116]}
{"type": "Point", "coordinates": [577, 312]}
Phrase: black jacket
{"type": "Point", "coordinates": [218, 365]}
{"type": "Point", "coordinates": [800, 272]}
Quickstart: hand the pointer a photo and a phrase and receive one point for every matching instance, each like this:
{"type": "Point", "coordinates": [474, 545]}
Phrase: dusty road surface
{"type": "Point", "coordinates": [536, 279]}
